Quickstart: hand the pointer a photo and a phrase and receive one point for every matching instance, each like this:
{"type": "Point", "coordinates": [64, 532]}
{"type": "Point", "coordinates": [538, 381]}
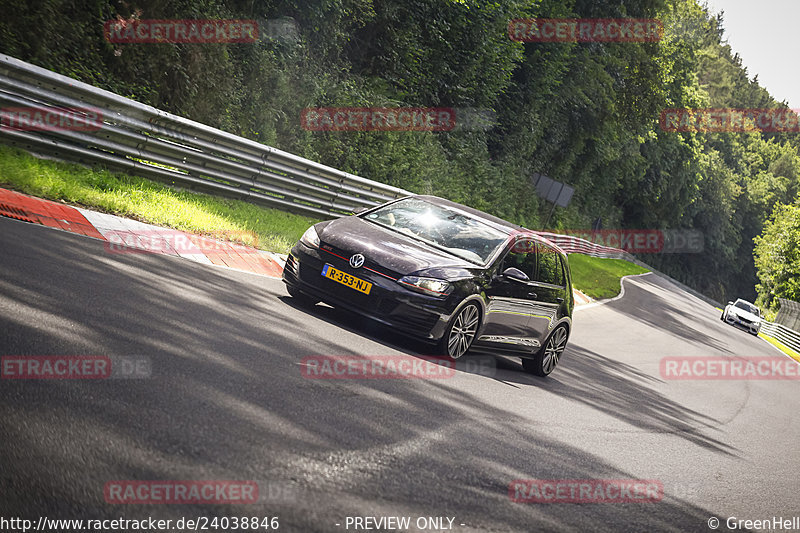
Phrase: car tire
{"type": "Point", "coordinates": [544, 362]}
{"type": "Point", "coordinates": [460, 332]}
{"type": "Point", "coordinates": [301, 297]}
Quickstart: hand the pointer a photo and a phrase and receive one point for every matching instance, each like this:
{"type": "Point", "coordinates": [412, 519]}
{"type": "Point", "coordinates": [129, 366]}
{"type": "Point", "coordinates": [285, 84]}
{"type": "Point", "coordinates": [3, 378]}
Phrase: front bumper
{"type": "Point", "coordinates": [388, 302]}
{"type": "Point", "coordinates": [752, 327]}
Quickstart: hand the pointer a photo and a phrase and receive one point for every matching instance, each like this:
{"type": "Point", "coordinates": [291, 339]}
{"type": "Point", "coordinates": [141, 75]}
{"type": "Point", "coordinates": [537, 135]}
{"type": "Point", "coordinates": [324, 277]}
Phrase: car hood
{"type": "Point", "coordinates": [745, 314]}
{"type": "Point", "coordinates": [390, 251]}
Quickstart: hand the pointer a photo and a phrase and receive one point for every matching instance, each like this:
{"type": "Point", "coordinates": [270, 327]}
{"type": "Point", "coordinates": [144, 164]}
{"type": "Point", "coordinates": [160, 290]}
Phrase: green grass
{"type": "Point", "coordinates": [151, 202]}
{"type": "Point", "coordinates": [600, 278]}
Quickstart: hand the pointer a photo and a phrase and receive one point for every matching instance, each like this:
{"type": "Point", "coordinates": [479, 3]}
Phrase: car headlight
{"type": "Point", "coordinates": [432, 286]}
{"type": "Point", "coordinates": [310, 238]}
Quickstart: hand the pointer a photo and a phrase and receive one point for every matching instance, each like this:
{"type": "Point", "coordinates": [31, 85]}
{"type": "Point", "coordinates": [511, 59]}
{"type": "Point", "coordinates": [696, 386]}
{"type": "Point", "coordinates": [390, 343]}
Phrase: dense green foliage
{"type": "Point", "coordinates": [583, 113]}
{"type": "Point", "coordinates": [777, 256]}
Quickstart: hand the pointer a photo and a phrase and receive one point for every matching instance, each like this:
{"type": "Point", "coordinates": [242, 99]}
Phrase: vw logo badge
{"type": "Point", "coordinates": [356, 261]}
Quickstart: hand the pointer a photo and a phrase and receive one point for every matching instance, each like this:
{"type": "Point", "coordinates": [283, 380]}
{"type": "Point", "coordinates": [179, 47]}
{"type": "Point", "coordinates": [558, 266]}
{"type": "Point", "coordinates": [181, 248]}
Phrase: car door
{"type": "Point", "coordinates": [549, 287]}
{"type": "Point", "coordinates": [510, 303]}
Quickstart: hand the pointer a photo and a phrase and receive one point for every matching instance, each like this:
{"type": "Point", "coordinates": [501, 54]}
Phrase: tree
{"type": "Point", "coordinates": [777, 256]}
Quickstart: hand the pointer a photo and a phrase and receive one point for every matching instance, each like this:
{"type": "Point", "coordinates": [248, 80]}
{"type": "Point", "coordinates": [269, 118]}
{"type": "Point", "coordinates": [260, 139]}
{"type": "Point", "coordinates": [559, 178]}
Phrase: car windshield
{"type": "Point", "coordinates": [747, 307]}
{"type": "Point", "coordinates": [443, 228]}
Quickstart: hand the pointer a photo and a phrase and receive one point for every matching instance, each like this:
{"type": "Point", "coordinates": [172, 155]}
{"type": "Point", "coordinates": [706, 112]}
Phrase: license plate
{"type": "Point", "coordinates": [346, 279]}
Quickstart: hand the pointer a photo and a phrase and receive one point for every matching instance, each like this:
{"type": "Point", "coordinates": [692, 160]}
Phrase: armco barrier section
{"type": "Point", "coordinates": [136, 138]}
{"type": "Point", "coordinates": [785, 335]}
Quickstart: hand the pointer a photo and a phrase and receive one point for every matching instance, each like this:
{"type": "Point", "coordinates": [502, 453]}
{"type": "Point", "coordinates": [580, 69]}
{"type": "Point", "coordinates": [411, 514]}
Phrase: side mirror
{"type": "Point", "coordinates": [515, 274]}
{"type": "Point", "coordinates": [730, 303]}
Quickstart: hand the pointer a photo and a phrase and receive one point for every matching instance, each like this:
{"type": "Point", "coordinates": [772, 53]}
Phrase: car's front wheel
{"type": "Point", "coordinates": [548, 357]}
{"type": "Point", "coordinates": [460, 331]}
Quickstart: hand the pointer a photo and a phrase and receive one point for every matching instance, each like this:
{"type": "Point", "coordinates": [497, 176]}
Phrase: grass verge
{"type": "Point", "coordinates": [149, 201]}
{"type": "Point", "coordinates": [600, 278]}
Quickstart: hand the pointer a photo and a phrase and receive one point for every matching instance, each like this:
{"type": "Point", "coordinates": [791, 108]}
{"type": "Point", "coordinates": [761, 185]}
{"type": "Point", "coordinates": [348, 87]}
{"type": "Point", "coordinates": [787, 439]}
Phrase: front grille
{"type": "Point", "coordinates": [382, 302]}
{"type": "Point", "coordinates": [339, 258]}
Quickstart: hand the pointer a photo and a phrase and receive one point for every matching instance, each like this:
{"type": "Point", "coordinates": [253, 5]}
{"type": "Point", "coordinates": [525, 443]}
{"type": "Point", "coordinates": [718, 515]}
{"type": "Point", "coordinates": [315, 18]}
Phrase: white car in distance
{"type": "Point", "coordinates": [743, 314]}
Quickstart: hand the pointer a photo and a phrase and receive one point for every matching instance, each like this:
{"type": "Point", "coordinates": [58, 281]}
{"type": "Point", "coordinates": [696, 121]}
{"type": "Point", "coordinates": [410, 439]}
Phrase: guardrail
{"type": "Point", "coordinates": [140, 139]}
{"type": "Point", "coordinates": [571, 244]}
{"type": "Point", "coordinates": [780, 332]}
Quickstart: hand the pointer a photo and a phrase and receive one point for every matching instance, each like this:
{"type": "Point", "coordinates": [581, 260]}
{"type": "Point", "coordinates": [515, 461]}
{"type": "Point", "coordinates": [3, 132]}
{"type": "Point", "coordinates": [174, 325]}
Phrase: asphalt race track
{"type": "Point", "coordinates": [227, 400]}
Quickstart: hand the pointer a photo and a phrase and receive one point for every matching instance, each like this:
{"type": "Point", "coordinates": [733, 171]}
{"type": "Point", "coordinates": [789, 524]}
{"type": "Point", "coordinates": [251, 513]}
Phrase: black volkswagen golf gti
{"type": "Point", "coordinates": [443, 272]}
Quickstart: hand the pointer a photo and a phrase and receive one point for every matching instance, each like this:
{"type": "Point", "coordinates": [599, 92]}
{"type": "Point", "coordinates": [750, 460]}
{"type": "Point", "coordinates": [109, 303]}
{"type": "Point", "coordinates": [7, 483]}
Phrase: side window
{"type": "Point", "coordinates": [522, 256]}
{"type": "Point", "coordinates": [550, 269]}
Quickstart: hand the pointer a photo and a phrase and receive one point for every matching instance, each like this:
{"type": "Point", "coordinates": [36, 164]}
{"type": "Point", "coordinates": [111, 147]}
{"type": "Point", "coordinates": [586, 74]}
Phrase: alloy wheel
{"type": "Point", "coordinates": [463, 331]}
{"type": "Point", "coordinates": [553, 350]}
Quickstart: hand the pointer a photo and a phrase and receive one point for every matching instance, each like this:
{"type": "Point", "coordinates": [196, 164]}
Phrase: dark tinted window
{"type": "Point", "coordinates": [550, 270]}
{"type": "Point", "coordinates": [523, 257]}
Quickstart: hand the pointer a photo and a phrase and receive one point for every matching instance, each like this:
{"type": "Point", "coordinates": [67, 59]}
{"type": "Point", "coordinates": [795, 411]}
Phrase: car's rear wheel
{"type": "Point", "coordinates": [548, 357]}
{"type": "Point", "coordinates": [460, 331]}
{"type": "Point", "coordinates": [301, 297]}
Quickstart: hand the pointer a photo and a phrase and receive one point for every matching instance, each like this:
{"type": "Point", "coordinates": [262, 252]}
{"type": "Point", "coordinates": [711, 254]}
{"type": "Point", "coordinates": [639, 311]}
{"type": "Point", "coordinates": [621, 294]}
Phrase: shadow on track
{"type": "Point", "coordinates": [227, 401]}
